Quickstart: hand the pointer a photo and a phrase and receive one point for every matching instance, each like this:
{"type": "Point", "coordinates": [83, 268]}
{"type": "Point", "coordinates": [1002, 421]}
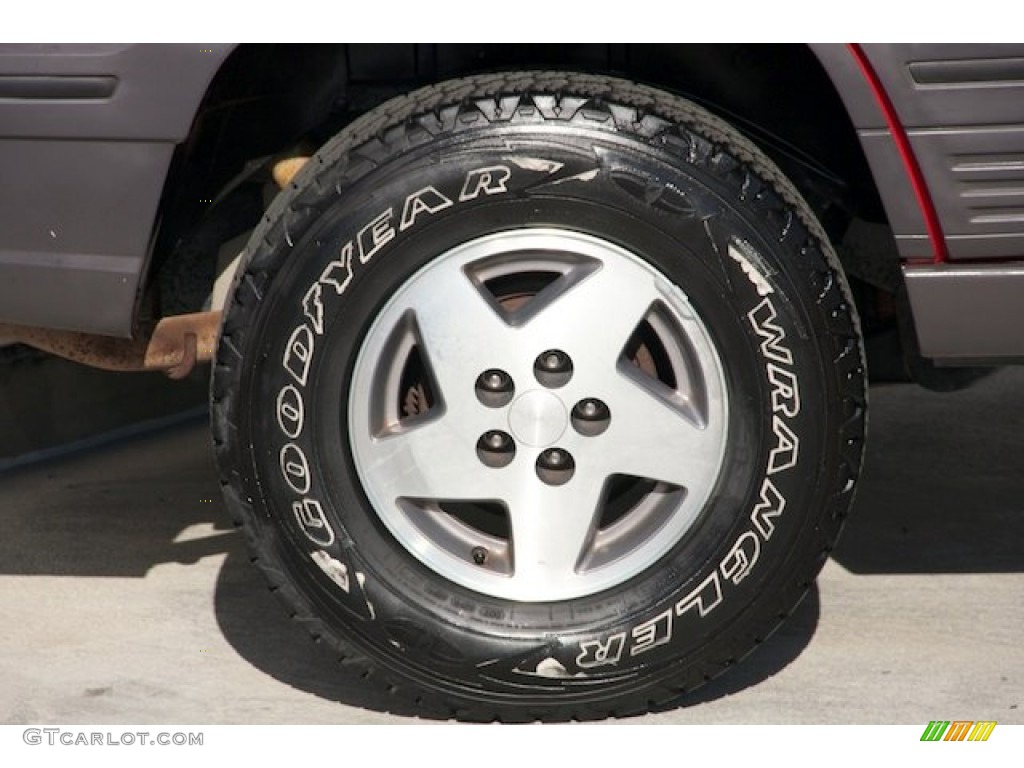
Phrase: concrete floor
{"type": "Point", "coordinates": [125, 598]}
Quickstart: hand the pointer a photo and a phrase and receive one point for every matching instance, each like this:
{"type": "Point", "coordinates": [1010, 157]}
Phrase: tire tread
{"type": "Point", "coordinates": [618, 105]}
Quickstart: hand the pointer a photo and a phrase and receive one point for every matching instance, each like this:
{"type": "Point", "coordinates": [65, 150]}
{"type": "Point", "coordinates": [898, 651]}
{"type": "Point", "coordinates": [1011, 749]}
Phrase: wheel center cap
{"type": "Point", "coordinates": [537, 418]}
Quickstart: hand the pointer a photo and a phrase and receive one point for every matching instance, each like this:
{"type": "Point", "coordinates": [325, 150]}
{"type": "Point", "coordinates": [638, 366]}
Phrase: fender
{"type": "Point", "coordinates": [79, 198]}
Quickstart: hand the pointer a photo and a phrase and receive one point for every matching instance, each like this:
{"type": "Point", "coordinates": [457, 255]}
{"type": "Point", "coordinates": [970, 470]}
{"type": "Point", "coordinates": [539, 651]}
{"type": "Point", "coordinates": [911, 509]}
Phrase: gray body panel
{"type": "Point", "coordinates": [967, 313]}
{"type": "Point", "coordinates": [87, 133]}
{"type": "Point", "coordinates": [962, 107]}
{"type": "Point", "coordinates": [963, 110]}
{"type": "Point", "coordinates": [880, 149]}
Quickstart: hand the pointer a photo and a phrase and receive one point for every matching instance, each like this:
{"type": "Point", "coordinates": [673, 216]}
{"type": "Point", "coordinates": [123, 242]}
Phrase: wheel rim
{"type": "Point", "coordinates": [538, 415]}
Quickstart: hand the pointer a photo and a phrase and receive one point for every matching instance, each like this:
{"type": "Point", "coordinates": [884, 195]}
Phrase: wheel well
{"type": "Point", "coordinates": [265, 98]}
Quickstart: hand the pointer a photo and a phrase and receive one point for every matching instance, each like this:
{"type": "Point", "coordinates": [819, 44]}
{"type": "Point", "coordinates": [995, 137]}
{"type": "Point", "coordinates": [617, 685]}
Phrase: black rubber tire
{"type": "Point", "coordinates": [674, 185]}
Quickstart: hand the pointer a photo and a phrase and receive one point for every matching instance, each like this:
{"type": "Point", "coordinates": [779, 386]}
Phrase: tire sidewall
{"type": "Point", "coordinates": [740, 280]}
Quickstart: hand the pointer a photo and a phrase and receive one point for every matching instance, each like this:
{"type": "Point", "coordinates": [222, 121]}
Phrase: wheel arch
{"type": "Point", "coordinates": [264, 98]}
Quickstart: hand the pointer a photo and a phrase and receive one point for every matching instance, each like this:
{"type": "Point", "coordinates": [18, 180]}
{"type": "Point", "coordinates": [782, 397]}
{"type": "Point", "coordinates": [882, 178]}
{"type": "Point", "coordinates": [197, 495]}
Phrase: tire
{"type": "Point", "coordinates": [540, 396]}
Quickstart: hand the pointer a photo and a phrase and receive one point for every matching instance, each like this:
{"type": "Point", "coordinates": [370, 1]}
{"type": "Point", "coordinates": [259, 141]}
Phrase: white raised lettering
{"type": "Point", "coordinates": [704, 598]}
{"type": "Point", "coordinates": [652, 633]}
{"type": "Point", "coordinates": [787, 449]}
{"type": "Point", "coordinates": [298, 354]}
{"type": "Point", "coordinates": [595, 653]}
{"type": "Point", "coordinates": [375, 236]}
{"type": "Point", "coordinates": [761, 318]}
{"type": "Point", "coordinates": [310, 516]}
{"type": "Point", "coordinates": [295, 468]}
{"type": "Point", "coordinates": [290, 411]}
{"type": "Point", "coordinates": [338, 274]}
{"type": "Point", "coordinates": [490, 181]}
{"type": "Point", "coordinates": [427, 200]}
{"type": "Point", "coordinates": [313, 308]}
{"type": "Point", "coordinates": [785, 391]}
{"type": "Point", "coordinates": [770, 506]}
{"type": "Point", "coordinates": [741, 558]}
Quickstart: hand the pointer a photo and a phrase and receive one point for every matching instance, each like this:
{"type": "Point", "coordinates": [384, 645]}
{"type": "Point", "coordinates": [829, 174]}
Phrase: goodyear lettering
{"type": "Point", "coordinates": [338, 274]}
{"type": "Point", "coordinates": [427, 200]}
{"type": "Point", "coordinates": [490, 181]}
{"type": "Point", "coordinates": [295, 468]}
{"type": "Point", "coordinates": [290, 412]}
{"type": "Point", "coordinates": [298, 354]}
{"type": "Point", "coordinates": [375, 236]}
{"type": "Point", "coordinates": [369, 241]}
{"type": "Point", "coordinates": [310, 517]}
{"type": "Point", "coordinates": [313, 308]}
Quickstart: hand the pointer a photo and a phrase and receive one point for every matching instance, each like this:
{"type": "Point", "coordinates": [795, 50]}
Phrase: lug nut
{"type": "Point", "coordinates": [495, 388]}
{"type": "Point", "coordinates": [555, 466]}
{"type": "Point", "coordinates": [497, 442]}
{"type": "Point", "coordinates": [590, 417]}
{"type": "Point", "coordinates": [554, 361]}
{"type": "Point", "coordinates": [496, 448]}
{"type": "Point", "coordinates": [553, 368]}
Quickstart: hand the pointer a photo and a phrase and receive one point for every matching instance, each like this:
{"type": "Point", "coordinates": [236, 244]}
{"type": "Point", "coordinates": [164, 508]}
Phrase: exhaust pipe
{"type": "Point", "coordinates": [173, 346]}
